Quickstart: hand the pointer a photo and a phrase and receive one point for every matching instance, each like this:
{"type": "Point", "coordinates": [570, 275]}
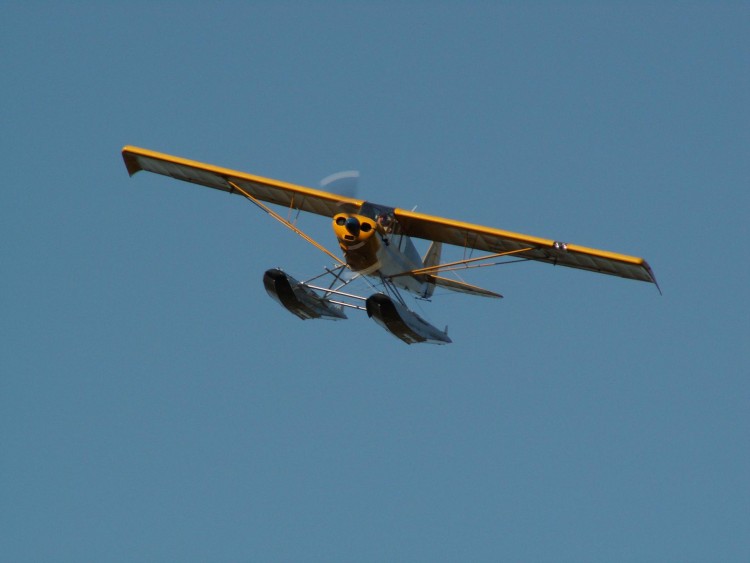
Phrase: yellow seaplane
{"type": "Point", "coordinates": [376, 245]}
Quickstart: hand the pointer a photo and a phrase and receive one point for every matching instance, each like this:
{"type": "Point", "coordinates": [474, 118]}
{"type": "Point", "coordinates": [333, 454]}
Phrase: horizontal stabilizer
{"type": "Point", "coordinates": [462, 287]}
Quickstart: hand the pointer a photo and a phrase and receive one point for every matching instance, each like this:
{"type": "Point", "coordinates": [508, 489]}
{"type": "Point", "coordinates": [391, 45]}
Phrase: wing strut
{"type": "Point", "coordinates": [447, 266]}
{"type": "Point", "coordinates": [284, 222]}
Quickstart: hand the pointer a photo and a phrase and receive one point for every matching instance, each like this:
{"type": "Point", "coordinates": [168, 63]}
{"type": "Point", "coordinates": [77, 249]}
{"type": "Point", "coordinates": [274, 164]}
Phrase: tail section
{"type": "Point", "coordinates": [430, 260]}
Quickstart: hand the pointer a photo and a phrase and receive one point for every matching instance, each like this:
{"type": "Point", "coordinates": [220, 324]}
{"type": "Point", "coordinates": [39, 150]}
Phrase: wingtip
{"type": "Point", "coordinates": [131, 162]}
{"type": "Point", "coordinates": [652, 276]}
{"type": "Point", "coordinates": [661, 293]}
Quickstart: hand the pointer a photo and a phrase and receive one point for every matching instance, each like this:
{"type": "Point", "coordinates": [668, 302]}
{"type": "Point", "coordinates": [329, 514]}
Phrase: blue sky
{"type": "Point", "coordinates": [155, 404]}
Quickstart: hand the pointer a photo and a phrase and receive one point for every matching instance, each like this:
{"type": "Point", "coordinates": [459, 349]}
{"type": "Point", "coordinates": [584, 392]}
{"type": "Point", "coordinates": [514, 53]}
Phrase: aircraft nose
{"type": "Point", "coordinates": [352, 225]}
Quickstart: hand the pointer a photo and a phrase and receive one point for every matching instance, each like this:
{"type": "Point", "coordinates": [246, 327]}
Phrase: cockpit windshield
{"type": "Point", "coordinates": [382, 215]}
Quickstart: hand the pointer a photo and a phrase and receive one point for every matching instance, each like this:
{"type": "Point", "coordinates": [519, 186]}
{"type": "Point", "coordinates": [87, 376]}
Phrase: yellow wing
{"type": "Point", "coordinates": [475, 237]}
{"type": "Point", "coordinates": [265, 189]}
{"type": "Point", "coordinates": [487, 239]}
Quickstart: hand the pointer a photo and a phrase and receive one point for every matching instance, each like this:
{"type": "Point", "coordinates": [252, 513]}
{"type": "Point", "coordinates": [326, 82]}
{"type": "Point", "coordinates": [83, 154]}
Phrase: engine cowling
{"type": "Point", "coordinates": [356, 236]}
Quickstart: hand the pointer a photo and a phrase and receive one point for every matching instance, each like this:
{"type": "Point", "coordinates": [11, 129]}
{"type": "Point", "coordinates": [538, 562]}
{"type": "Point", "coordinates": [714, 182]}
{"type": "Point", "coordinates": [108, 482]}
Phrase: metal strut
{"type": "Point", "coordinates": [390, 288]}
{"type": "Point", "coordinates": [448, 265]}
{"type": "Point", "coordinates": [285, 222]}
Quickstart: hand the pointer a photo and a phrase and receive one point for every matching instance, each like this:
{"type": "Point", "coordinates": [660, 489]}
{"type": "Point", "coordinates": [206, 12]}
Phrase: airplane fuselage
{"type": "Point", "coordinates": [373, 246]}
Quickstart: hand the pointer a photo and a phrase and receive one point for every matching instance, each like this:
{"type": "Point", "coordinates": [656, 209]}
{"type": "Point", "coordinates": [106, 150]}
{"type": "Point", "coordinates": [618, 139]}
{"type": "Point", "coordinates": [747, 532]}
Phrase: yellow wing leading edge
{"type": "Point", "coordinates": [487, 239]}
{"type": "Point", "coordinates": [265, 189]}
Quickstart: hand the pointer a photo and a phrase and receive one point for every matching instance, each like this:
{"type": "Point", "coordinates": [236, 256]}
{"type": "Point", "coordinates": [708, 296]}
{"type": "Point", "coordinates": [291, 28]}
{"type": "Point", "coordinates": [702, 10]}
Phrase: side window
{"type": "Point", "coordinates": [386, 221]}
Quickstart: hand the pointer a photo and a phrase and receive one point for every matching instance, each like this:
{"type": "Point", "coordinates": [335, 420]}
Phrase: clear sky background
{"type": "Point", "coordinates": [156, 405]}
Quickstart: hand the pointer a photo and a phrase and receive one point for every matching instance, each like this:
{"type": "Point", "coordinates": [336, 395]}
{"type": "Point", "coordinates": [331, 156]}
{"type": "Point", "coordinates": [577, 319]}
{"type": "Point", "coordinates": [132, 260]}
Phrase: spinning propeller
{"type": "Point", "coordinates": [343, 183]}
